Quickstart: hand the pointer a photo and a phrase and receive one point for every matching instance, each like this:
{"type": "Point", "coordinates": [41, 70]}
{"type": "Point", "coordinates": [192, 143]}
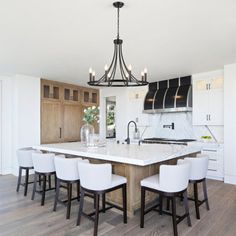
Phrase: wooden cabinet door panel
{"type": "Point", "coordinates": [51, 122]}
{"type": "Point", "coordinates": [72, 122]}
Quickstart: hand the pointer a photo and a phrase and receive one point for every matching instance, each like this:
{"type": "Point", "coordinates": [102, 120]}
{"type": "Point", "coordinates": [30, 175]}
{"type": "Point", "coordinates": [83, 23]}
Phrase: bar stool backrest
{"type": "Point", "coordinates": [95, 176]}
{"type": "Point", "coordinates": [198, 167]}
{"type": "Point", "coordinates": [24, 157]}
{"type": "Point", "coordinates": [174, 178]}
{"type": "Point", "coordinates": [67, 168]}
{"type": "Point", "coordinates": [43, 163]}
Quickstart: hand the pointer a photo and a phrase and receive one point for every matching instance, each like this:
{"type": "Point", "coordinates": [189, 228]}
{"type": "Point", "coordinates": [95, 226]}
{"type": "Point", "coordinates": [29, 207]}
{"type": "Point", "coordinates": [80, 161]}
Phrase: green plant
{"type": "Point", "coordinates": [206, 137]}
{"type": "Point", "coordinates": [111, 115]}
{"type": "Point", "coordinates": [91, 114]}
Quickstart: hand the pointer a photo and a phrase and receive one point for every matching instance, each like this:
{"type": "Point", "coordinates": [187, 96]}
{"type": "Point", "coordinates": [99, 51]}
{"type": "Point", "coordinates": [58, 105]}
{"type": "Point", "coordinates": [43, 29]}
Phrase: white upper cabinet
{"type": "Point", "coordinates": [208, 98]}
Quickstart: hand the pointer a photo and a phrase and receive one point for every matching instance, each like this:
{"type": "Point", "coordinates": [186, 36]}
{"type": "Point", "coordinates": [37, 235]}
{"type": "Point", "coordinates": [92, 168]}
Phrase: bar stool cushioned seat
{"type": "Point", "coordinates": [98, 179]}
{"type": "Point", "coordinates": [172, 180]}
{"type": "Point", "coordinates": [198, 172]}
{"type": "Point", "coordinates": [67, 172]}
{"type": "Point", "coordinates": [43, 166]}
{"type": "Point", "coordinates": [25, 162]}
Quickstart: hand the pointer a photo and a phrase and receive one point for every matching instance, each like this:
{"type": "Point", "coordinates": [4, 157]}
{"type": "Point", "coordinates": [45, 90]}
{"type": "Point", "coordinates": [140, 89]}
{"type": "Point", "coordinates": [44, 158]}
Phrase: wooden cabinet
{"type": "Point", "coordinates": [208, 98]}
{"type": "Point", "coordinates": [72, 122]}
{"type": "Point", "coordinates": [62, 108]}
{"type": "Point", "coordinates": [51, 122]}
{"type": "Point", "coordinates": [90, 97]}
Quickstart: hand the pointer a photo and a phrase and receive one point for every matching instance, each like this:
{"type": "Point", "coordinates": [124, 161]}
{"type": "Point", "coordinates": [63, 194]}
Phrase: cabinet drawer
{"type": "Point", "coordinates": [212, 165]}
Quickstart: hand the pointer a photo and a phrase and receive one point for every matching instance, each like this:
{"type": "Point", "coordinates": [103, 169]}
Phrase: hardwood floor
{"type": "Point", "coordinates": [22, 217]}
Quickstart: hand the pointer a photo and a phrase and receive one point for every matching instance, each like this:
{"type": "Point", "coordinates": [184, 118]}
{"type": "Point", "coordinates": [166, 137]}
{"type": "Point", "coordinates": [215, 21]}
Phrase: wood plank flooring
{"type": "Point", "coordinates": [19, 216]}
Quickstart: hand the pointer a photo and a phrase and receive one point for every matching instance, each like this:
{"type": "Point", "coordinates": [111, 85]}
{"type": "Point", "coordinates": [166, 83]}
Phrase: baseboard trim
{"type": "Point", "coordinates": [230, 179]}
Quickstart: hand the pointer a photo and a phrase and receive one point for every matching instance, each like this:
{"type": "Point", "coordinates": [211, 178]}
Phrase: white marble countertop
{"type": "Point", "coordinates": [133, 154]}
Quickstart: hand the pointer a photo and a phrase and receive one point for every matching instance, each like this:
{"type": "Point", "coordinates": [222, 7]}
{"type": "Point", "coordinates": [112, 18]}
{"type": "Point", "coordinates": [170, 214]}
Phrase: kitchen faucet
{"type": "Point", "coordinates": [172, 126]}
{"type": "Point", "coordinates": [136, 130]}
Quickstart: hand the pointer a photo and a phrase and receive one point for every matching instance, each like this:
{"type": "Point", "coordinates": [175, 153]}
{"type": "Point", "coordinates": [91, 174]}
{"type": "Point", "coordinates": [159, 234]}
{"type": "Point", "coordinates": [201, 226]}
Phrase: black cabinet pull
{"type": "Point", "coordinates": [60, 132]}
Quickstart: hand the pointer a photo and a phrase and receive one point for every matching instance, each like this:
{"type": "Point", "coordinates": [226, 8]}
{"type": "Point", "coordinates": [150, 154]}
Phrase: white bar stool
{"type": "Point", "coordinates": [43, 166]}
{"type": "Point", "coordinates": [172, 181]}
{"type": "Point", "coordinates": [67, 172]}
{"type": "Point", "coordinates": [25, 162]}
{"type": "Point", "coordinates": [198, 172]}
{"type": "Point", "coordinates": [98, 179]}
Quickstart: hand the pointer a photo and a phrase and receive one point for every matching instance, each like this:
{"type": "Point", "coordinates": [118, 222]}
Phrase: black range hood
{"type": "Point", "coordinates": [174, 95]}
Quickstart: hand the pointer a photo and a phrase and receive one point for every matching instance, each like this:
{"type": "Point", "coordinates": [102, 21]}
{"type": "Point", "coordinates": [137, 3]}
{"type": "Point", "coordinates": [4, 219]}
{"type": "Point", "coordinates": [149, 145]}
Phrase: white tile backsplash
{"type": "Point", "coordinates": [183, 127]}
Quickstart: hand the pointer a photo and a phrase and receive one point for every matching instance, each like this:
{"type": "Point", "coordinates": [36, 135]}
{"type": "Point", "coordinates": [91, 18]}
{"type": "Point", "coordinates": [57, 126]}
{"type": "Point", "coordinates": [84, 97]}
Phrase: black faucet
{"type": "Point", "coordinates": [172, 126]}
{"type": "Point", "coordinates": [136, 129]}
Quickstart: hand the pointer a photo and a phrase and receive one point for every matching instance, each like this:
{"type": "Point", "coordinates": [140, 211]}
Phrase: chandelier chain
{"type": "Point", "coordinates": [118, 23]}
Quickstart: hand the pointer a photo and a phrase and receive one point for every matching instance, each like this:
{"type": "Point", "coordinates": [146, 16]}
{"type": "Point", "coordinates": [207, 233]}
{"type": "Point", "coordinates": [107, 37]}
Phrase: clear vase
{"type": "Point", "coordinates": [85, 132]}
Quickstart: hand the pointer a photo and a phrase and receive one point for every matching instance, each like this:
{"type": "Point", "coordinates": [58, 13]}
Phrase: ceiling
{"type": "Point", "coordinates": [61, 39]}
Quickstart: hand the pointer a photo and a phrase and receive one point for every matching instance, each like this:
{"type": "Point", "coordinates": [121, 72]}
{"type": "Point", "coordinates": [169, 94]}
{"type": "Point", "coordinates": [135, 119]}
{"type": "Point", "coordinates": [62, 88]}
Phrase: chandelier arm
{"type": "Point", "coordinates": [122, 68]}
{"type": "Point", "coordinates": [113, 58]}
{"type": "Point", "coordinates": [126, 68]}
{"type": "Point", "coordinates": [113, 69]}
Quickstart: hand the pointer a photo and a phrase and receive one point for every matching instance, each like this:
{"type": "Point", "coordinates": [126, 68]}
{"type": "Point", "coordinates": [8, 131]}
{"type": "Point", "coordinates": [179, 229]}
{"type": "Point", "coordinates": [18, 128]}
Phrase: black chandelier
{"type": "Point", "coordinates": [127, 78]}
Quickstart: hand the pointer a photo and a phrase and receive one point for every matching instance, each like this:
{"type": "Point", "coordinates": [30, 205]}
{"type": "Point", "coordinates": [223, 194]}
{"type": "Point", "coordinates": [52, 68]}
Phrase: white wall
{"type": "Point", "coordinates": [20, 117]}
{"type": "Point", "coordinates": [6, 134]}
{"type": "Point", "coordinates": [121, 110]}
{"type": "Point", "coordinates": [230, 123]}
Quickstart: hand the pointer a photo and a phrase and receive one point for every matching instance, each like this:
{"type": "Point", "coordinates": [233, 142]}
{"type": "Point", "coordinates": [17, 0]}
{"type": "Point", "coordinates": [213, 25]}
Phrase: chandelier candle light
{"type": "Point", "coordinates": [127, 79]}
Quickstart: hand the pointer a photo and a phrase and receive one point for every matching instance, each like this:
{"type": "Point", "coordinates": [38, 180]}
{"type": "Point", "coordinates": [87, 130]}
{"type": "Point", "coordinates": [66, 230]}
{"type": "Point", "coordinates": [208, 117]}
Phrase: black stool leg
{"type": "Point", "coordinates": [19, 179]}
{"type": "Point", "coordinates": [55, 181]}
{"type": "Point", "coordinates": [43, 191]}
{"type": "Point", "coordinates": [205, 194]}
{"type": "Point", "coordinates": [95, 233]}
{"type": "Point", "coordinates": [40, 180]}
{"type": "Point", "coordinates": [69, 193]}
{"type": "Point", "coordinates": [167, 204]}
{"type": "Point", "coordinates": [186, 207]}
{"type": "Point", "coordinates": [196, 200]}
{"type": "Point", "coordinates": [57, 194]}
{"type": "Point", "coordinates": [78, 190]}
{"type": "Point", "coordinates": [103, 202]}
{"type": "Point", "coordinates": [124, 196]}
{"type": "Point", "coordinates": [34, 187]}
{"type": "Point", "coordinates": [80, 207]}
{"type": "Point", "coordinates": [173, 203]}
{"type": "Point", "coordinates": [49, 182]}
{"type": "Point", "coordinates": [142, 207]}
{"type": "Point", "coordinates": [160, 204]}
{"type": "Point", "coordinates": [26, 181]}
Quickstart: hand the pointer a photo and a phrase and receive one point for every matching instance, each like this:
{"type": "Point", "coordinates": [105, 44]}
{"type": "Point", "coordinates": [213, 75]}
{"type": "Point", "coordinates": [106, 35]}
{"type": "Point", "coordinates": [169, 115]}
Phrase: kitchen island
{"type": "Point", "coordinates": [132, 161]}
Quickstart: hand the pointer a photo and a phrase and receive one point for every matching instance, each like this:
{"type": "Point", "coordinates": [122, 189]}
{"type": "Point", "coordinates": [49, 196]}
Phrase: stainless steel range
{"type": "Point", "coordinates": [167, 141]}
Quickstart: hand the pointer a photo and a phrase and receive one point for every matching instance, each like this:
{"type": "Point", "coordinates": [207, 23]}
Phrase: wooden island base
{"type": "Point", "coordinates": [134, 175]}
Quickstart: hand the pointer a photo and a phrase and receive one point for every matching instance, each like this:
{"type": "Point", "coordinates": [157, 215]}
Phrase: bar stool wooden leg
{"type": "Point", "coordinates": [160, 203]}
{"type": "Point", "coordinates": [205, 194]}
{"type": "Point", "coordinates": [124, 196]}
{"type": "Point", "coordinates": [196, 200]}
{"type": "Point", "coordinates": [57, 195]}
{"type": "Point", "coordinates": [44, 190]}
{"type": "Point", "coordinates": [142, 207]}
{"type": "Point", "coordinates": [26, 181]}
{"type": "Point", "coordinates": [103, 202]}
{"type": "Point", "coordinates": [55, 181]}
{"type": "Point", "coordinates": [40, 180]}
{"type": "Point", "coordinates": [78, 191]}
{"type": "Point", "coordinates": [173, 204]}
{"type": "Point", "coordinates": [80, 207]}
{"type": "Point", "coordinates": [97, 197]}
{"type": "Point", "coordinates": [34, 187]}
{"type": "Point", "coordinates": [185, 199]}
{"type": "Point", "coordinates": [19, 179]}
{"type": "Point", "coordinates": [167, 204]}
{"type": "Point", "coordinates": [49, 182]}
{"type": "Point", "coordinates": [69, 191]}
